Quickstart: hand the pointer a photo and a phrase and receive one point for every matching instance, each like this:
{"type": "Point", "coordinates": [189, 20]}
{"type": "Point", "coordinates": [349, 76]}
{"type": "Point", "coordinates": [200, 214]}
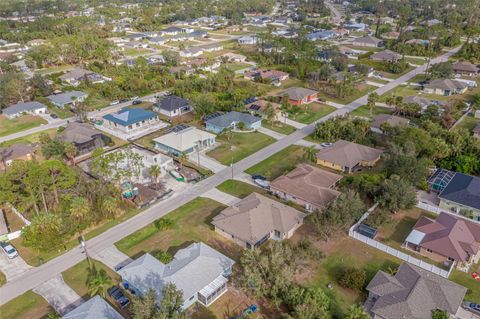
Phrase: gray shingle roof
{"type": "Point", "coordinates": [23, 107]}
{"type": "Point", "coordinates": [227, 119]}
{"type": "Point", "coordinates": [413, 293]}
{"type": "Point", "coordinates": [79, 133]}
{"type": "Point", "coordinates": [65, 98]}
{"type": "Point", "coordinates": [446, 84]}
{"type": "Point", "coordinates": [298, 93]}
{"type": "Point", "coordinates": [463, 189]}
{"type": "Point", "coordinates": [95, 308]}
{"type": "Point", "coordinates": [173, 102]}
{"type": "Point", "coordinates": [192, 269]}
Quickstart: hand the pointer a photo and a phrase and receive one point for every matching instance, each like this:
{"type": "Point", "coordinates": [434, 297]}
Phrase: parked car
{"type": "Point", "coordinates": [54, 116]}
{"type": "Point", "coordinates": [473, 307]}
{"type": "Point", "coordinates": [115, 102]}
{"type": "Point", "coordinates": [9, 250]}
{"type": "Point", "coordinates": [117, 294]}
{"type": "Point", "coordinates": [134, 98]}
{"type": "Point", "coordinates": [124, 100]}
{"type": "Point", "coordinates": [258, 176]}
{"type": "Point", "coordinates": [136, 102]}
{"type": "Point", "coordinates": [262, 183]}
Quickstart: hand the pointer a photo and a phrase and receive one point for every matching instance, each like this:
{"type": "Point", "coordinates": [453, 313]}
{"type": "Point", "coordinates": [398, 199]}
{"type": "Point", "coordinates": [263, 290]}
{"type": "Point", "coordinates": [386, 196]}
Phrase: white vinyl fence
{"type": "Point", "coordinates": [437, 210]}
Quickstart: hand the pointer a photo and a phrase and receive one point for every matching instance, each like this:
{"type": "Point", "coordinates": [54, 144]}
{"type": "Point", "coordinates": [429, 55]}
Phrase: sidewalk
{"type": "Point", "coordinates": [334, 104]}
{"type": "Point", "coordinates": [206, 161]}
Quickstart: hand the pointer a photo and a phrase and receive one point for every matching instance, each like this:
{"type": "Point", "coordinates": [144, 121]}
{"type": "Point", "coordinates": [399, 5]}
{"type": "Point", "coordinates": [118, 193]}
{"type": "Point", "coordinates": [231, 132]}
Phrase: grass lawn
{"type": "Point", "coordinates": [135, 52]}
{"type": "Point", "coordinates": [466, 280]}
{"type": "Point", "coordinates": [397, 75]}
{"type": "Point", "coordinates": [191, 224]}
{"type": "Point", "coordinates": [279, 127]}
{"type": "Point", "coordinates": [377, 80]}
{"type": "Point", "coordinates": [76, 276]}
{"type": "Point", "coordinates": [418, 78]}
{"type": "Point", "coordinates": [405, 90]}
{"type": "Point", "coordinates": [61, 113]}
{"type": "Point", "coordinates": [244, 145]}
{"type": "Point", "coordinates": [417, 61]}
{"type": "Point", "coordinates": [468, 123]}
{"type": "Point", "coordinates": [54, 69]}
{"type": "Point", "coordinates": [237, 66]}
{"type": "Point", "coordinates": [32, 138]}
{"type": "Point", "coordinates": [363, 111]}
{"type": "Point", "coordinates": [26, 306]}
{"type": "Point", "coordinates": [348, 252]}
{"type": "Point", "coordinates": [239, 189]}
{"type": "Point", "coordinates": [360, 91]}
{"type": "Point", "coordinates": [22, 123]}
{"type": "Point", "coordinates": [3, 279]}
{"type": "Point", "coordinates": [312, 112]}
{"type": "Point", "coordinates": [279, 163]}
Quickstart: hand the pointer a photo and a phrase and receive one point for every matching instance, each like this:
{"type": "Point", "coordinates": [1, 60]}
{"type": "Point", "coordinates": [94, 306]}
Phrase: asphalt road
{"type": "Point", "coordinates": [35, 276]}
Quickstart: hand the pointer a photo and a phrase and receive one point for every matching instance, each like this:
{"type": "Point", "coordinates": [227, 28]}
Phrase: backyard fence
{"type": "Point", "coordinates": [437, 210]}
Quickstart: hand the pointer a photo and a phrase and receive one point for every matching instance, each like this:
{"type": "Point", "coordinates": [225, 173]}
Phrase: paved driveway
{"type": "Point", "coordinates": [59, 295]}
{"type": "Point", "coordinates": [221, 197]}
{"type": "Point", "coordinates": [112, 257]}
{"type": "Point", "coordinates": [12, 268]}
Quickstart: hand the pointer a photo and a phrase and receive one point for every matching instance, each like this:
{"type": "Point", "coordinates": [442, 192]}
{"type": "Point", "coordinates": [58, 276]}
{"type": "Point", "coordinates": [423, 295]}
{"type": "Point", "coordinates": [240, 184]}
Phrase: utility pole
{"type": "Point", "coordinates": [83, 243]}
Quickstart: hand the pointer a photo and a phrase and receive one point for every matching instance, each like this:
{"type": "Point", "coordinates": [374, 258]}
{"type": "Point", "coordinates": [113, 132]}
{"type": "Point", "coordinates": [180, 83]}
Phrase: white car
{"type": "Point", "coordinates": [134, 98]}
{"type": "Point", "coordinates": [115, 102]}
{"type": "Point", "coordinates": [9, 250]}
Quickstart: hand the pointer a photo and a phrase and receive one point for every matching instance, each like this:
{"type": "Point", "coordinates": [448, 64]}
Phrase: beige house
{"type": "Point", "coordinates": [15, 152]}
{"type": "Point", "coordinates": [308, 186]}
{"type": "Point", "coordinates": [348, 156]}
{"type": "Point", "coordinates": [445, 87]}
{"type": "Point", "coordinates": [256, 219]}
{"type": "Point", "coordinates": [386, 119]}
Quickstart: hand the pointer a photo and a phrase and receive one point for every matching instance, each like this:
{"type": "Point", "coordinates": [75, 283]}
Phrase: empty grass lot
{"type": "Point", "coordinates": [22, 123]}
{"type": "Point", "coordinates": [360, 91]}
{"type": "Point", "coordinates": [279, 163]}
{"type": "Point", "coordinates": [244, 144]}
{"type": "Point", "coordinates": [405, 90]}
{"type": "Point", "coordinates": [311, 112]}
{"type": "Point", "coordinates": [364, 111]}
{"type": "Point", "coordinates": [279, 127]}
{"type": "Point", "coordinates": [191, 224]}
{"type": "Point", "coordinates": [26, 306]}
{"type": "Point", "coordinates": [76, 276]}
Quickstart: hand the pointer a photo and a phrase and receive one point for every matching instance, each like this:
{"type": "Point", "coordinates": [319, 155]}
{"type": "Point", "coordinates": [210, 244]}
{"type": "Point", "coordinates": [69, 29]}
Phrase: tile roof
{"type": "Point", "coordinates": [128, 116]}
{"type": "Point", "coordinates": [298, 93]}
{"type": "Point", "coordinates": [23, 107]}
{"type": "Point", "coordinates": [348, 154]}
{"type": "Point", "coordinates": [463, 189]}
{"type": "Point", "coordinates": [413, 293]}
{"type": "Point", "coordinates": [310, 184]}
{"type": "Point", "coordinates": [227, 119]}
{"type": "Point", "coordinates": [256, 216]}
{"type": "Point", "coordinates": [172, 102]}
{"type": "Point", "coordinates": [449, 236]}
{"type": "Point", "coordinates": [192, 269]}
{"type": "Point", "coordinates": [94, 308]}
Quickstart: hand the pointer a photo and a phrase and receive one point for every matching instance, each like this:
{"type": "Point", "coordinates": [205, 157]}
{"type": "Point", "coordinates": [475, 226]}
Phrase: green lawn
{"type": "Point", "coordinates": [279, 127]}
{"type": "Point", "coordinates": [361, 90]}
{"type": "Point", "coordinates": [237, 66]}
{"type": "Point", "coordinates": [417, 61]}
{"type": "Point", "coordinates": [468, 123]}
{"type": "Point", "coordinates": [364, 111]}
{"type": "Point", "coordinates": [466, 280]}
{"type": "Point", "coordinates": [22, 123]}
{"type": "Point", "coordinates": [244, 144]}
{"type": "Point", "coordinates": [76, 276]}
{"type": "Point", "coordinates": [347, 253]}
{"type": "Point", "coordinates": [279, 163]}
{"type": "Point", "coordinates": [191, 224]}
{"type": "Point", "coordinates": [54, 69]}
{"type": "Point", "coordinates": [32, 138]}
{"type": "Point", "coordinates": [26, 306]}
{"type": "Point", "coordinates": [405, 90]}
{"type": "Point", "coordinates": [239, 189]}
{"type": "Point", "coordinates": [311, 112]}
{"type": "Point", "coordinates": [3, 279]}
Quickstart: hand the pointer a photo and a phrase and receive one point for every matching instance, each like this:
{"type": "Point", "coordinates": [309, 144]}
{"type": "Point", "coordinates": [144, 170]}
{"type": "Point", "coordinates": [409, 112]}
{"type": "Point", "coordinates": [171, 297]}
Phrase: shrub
{"type": "Point", "coordinates": [164, 256]}
{"type": "Point", "coordinates": [164, 223]}
{"type": "Point", "coordinates": [353, 278]}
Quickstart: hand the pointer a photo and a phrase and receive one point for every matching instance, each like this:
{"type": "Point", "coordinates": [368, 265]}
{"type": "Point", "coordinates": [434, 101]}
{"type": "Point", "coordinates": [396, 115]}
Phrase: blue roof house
{"type": "Point", "coordinates": [130, 119]}
{"type": "Point", "coordinates": [231, 120]}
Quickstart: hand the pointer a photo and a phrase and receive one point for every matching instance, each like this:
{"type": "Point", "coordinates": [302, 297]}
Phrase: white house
{"type": "Point", "coordinates": [128, 119]}
{"type": "Point", "coordinates": [16, 110]}
{"type": "Point", "coordinates": [173, 106]}
{"type": "Point", "coordinates": [248, 40]}
{"type": "Point", "coordinates": [184, 139]}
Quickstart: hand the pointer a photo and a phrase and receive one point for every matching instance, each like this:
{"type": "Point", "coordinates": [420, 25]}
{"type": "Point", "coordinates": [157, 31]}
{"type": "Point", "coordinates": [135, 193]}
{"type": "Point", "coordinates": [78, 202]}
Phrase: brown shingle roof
{"type": "Point", "coordinates": [450, 236]}
{"type": "Point", "coordinates": [255, 216]}
{"type": "Point", "coordinates": [465, 66]}
{"type": "Point", "coordinates": [386, 55]}
{"type": "Point", "coordinates": [413, 293]}
{"type": "Point", "coordinates": [348, 154]}
{"type": "Point", "coordinates": [310, 184]}
{"type": "Point", "coordinates": [15, 151]}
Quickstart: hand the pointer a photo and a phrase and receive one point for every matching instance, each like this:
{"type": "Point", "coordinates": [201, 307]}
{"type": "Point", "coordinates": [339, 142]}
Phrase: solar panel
{"type": "Point", "coordinates": [254, 107]}
{"type": "Point", "coordinates": [250, 100]}
{"type": "Point", "coordinates": [212, 116]}
{"type": "Point", "coordinates": [178, 128]}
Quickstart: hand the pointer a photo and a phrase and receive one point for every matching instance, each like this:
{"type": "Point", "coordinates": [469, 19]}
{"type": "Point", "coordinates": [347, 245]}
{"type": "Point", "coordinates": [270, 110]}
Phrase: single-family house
{"type": "Point", "coordinates": [199, 271]}
{"type": "Point", "coordinates": [308, 186]}
{"type": "Point", "coordinates": [96, 307]}
{"type": "Point", "coordinates": [412, 293]}
{"type": "Point", "coordinates": [355, 26]}
{"type": "Point", "coordinates": [445, 87]}
{"type": "Point", "coordinates": [386, 119]}
{"type": "Point", "coordinates": [447, 239]}
{"type": "Point", "coordinates": [20, 152]}
{"type": "Point", "coordinates": [424, 103]}
{"type": "Point", "coordinates": [248, 40]}
{"type": "Point", "coordinates": [386, 56]}
{"type": "Point", "coordinates": [184, 139]}
{"type": "Point", "coordinates": [255, 219]}
{"type": "Point", "coordinates": [156, 59]}
{"type": "Point", "coordinates": [233, 57]}
{"type": "Point", "coordinates": [392, 35]}
{"type": "Point", "coordinates": [465, 68]}
{"type": "Point", "coordinates": [258, 107]}
{"type": "Point", "coordinates": [274, 76]}
{"type": "Point", "coordinates": [135, 36]}
{"type": "Point", "coordinates": [84, 137]}
{"type": "Point", "coordinates": [232, 120]}
{"type": "Point", "coordinates": [130, 119]}
{"type": "Point", "coordinates": [328, 54]}
{"type": "Point", "coordinates": [368, 41]}
{"type": "Point", "coordinates": [457, 191]}
{"type": "Point", "coordinates": [418, 42]}
{"type": "Point", "coordinates": [477, 114]}
{"type": "Point", "coordinates": [191, 52]}
{"type": "Point", "coordinates": [172, 106]}
{"type": "Point", "coordinates": [16, 110]}
{"type": "Point", "coordinates": [348, 156]}
{"type": "Point", "coordinates": [181, 69]}
{"type": "Point", "coordinates": [78, 75]}
{"type": "Point", "coordinates": [299, 95]}
{"type": "Point", "coordinates": [69, 99]}
{"type": "Point", "coordinates": [157, 40]}
{"type": "Point", "coordinates": [321, 35]}
{"type": "Point", "coordinates": [171, 31]}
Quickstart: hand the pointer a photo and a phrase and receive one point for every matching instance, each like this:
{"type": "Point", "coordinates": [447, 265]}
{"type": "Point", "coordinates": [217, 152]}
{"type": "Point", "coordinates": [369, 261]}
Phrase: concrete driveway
{"type": "Point", "coordinates": [112, 257]}
{"type": "Point", "coordinates": [59, 295]}
{"type": "Point", "coordinates": [12, 268]}
{"type": "Point", "coordinates": [221, 197]}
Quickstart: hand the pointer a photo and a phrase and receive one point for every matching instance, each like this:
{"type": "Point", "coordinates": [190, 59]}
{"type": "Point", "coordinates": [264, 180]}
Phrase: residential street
{"type": "Point", "coordinates": [36, 276]}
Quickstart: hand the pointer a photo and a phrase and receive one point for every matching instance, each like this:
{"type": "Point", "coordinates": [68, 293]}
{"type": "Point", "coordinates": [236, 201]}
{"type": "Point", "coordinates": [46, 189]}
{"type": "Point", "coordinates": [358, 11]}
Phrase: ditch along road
{"type": "Point", "coordinates": [37, 275]}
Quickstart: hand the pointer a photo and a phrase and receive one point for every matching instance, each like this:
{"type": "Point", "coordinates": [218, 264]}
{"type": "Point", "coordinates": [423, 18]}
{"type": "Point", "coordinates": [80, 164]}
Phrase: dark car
{"type": "Point", "coordinates": [258, 176]}
{"type": "Point", "coordinates": [136, 102]}
{"type": "Point", "coordinates": [117, 294]}
{"type": "Point", "coordinates": [473, 307]}
{"type": "Point", "coordinates": [54, 116]}
{"type": "Point", "coordinates": [124, 100]}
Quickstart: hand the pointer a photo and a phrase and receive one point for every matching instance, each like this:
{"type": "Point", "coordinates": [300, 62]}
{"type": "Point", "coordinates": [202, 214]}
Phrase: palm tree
{"type": "Point", "coordinates": [372, 100]}
{"type": "Point", "coordinates": [356, 312]}
{"type": "Point", "coordinates": [79, 208]}
{"type": "Point", "coordinates": [98, 282]}
{"type": "Point", "coordinates": [310, 154]}
{"type": "Point", "coordinates": [111, 206]}
{"type": "Point", "coordinates": [155, 172]}
{"type": "Point", "coordinates": [70, 152]}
